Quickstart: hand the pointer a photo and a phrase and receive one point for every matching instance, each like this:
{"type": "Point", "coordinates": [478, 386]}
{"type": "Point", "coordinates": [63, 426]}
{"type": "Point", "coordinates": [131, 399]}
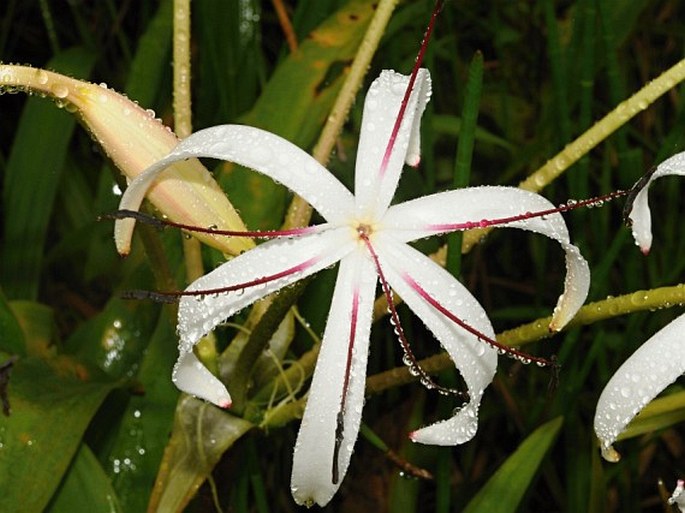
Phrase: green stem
{"type": "Point", "coordinates": [462, 165]}
{"type": "Point", "coordinates": [258, 341]}
{"type": "Point", "coordinates": [300, 212]}
{"type": "Point", "coordinates": [573, 151]}
{"type": "Point", "coordinates": [641, 300]}
{"type": "Point", "coordinates": [183, 126]}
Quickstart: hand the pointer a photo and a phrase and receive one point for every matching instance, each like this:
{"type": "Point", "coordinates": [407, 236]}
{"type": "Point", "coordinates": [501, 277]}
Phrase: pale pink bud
{"type": "Point", "coordinates": [134, 140]}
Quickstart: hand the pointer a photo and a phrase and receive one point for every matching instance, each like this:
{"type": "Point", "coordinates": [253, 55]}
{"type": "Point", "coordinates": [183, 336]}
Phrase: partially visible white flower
{"type": "Point", "coordinates": [639, 215]}
{"type": "Point", "coordinates": [660, 360]}
{"type": "Point", "coordinates": [370, 240]}
{"type": "Point", "coordinates": [678, 497]}
{"type": "Point", "coordinates": [654, 366]}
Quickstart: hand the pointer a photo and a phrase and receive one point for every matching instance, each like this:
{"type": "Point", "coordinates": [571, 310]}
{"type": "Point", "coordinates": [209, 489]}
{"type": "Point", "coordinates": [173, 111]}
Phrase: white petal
{"type": "Point", "coordinates": [475, 360]}
{"type": "Point", "coordinates": [374, 188]}
{"type": "Point", "coordinates": [678, 496]}
{"type": "Point", "coordinates": [312, 478]}
{"type": "Point", "coordinates": [257, 149]}
{"type": "Point", "coordinates": [654, 366]}
{"type": "Point", "coordinates": [424, 216]}
{"type": "Point", "coordinates": [640, 215]}
{"type": "Point", "coordinates": [192, 377]}
{"type": "Point", "coordinates": [294, 258]}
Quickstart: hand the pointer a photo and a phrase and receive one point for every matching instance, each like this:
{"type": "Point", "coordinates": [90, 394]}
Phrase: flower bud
{"type": "Point", "coordinates": [134, 139]}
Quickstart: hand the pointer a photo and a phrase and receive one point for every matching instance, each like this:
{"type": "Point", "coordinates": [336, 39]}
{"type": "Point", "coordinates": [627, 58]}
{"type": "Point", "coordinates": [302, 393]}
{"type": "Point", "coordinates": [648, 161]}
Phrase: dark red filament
{"type": "Point", "coordinates": [162, 223]}
{"type": "Point", "coordinates": [414, 365]}
{"type": "Point", "coordinates": [410, 87]}
{"type": "Point", "coordinates": [340, 418]}
{"type": "Point", "coordinates": [634, 190]}
{"type": "Point", "coordinates": [171, 296]}
{"type": "Point", "coordinates": [501, 348]}
{"type": "Point", "coordinates": [485, 223]}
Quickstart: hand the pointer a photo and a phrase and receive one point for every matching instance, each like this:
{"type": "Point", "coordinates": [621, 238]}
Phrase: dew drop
{"type": "Point", "coordinates": [42, 77]}
{"type": "Point", "coordinates": [60, 91]}
{"type": "Point", "coordinates": [398, 88]}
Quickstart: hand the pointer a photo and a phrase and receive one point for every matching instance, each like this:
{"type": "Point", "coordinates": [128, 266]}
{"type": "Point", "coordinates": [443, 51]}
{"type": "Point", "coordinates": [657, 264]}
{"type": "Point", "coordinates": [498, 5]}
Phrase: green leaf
{"type": "Point", "coordinates": [151, 62]}
{"type": "Point", "coordinates": [504, 490]}
{"type": "Point", "coordinates": [11, 334]}
{"type": "Point", "coordinates": [37, 324]}
{"type": "Point", "coordinates": [114, 339]}
{"type": "Point", "coordinates": [229, 73]}
{"type": "Point", "coordinates": [31, 179]}
{"type": "Point", "coordinates": [138, 444]}
{"type": "Point", "coordinates": [52, 404]}
{"type": "Point", "coordinates": [86, 487]}
{"type": "Point", "coordinates": [202, 433]}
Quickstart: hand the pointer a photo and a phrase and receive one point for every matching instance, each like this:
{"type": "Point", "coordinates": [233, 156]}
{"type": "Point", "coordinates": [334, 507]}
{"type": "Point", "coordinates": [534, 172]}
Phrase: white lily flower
{"type": "Point", "coordinates": [639, 215]}
{"type": "Point", "coordinates": [369, 238]}
{"type": "Point", "coordinates": [660, 360]}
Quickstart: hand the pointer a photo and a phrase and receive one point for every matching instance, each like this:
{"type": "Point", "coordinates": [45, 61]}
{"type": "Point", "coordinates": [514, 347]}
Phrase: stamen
{"type": "Point", "coordinates": [409, 358]}
{"type": "Point", "coordinates": [163, 223]}
{"type": "Point", "coordinates": [633, 192]}
{"type": "Point", "coordinates": [410, 87]}
{"type": "Point", "coordinates": [485, 223]}
{"type": "Point", "coordinates": [340, 419]}
{"type": "Point", "coordinates": [173, 295]}
{"type": "Point", "coordinates": [524, 358]}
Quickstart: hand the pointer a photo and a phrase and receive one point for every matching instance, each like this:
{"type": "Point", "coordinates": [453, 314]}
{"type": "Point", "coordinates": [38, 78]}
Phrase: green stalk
{"type": "Point", "coordinates": [299, 211]}
{"type": "Point", "coordinates": [462, 165]}
{"type": "Point", "coordinates": [638, 301]}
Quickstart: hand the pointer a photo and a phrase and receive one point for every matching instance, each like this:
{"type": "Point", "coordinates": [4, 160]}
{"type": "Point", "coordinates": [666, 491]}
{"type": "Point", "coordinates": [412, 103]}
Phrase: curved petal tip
{"type": "Point", "coordinates": [192, 377]}
{"type": "Point", "coordinates": [123, 233]}
{"type": "Point", "coordinates": [610, 454]}
{"type": "Point", "coordinates": [576, 287]}
{"type": "Point", "coordinates": [454, 431]}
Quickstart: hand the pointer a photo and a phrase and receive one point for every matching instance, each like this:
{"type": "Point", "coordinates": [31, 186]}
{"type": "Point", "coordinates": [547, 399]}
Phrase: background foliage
{"type": "Point", "coordinates": [92, 403]}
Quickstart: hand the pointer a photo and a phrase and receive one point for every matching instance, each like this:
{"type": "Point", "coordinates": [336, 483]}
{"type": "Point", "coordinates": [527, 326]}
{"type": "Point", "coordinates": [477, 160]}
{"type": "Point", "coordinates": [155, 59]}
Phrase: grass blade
{"type": "Point", "coordinates": [505, 489]}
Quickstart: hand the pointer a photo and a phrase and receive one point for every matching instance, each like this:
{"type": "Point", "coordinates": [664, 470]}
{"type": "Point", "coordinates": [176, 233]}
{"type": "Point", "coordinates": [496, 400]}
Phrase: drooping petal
{"type": "Point", "coordinates": [257, 149]}
{"type": "Point", "coordinates": [251, 276]}
{"type": "Point", "coordinates": [376, 180]}
{"type": "Point", "coordinates": [458, 209]}
{"type": "Point", "coordinates": [406, 268]}
{"type": "Point", "coordinates": [640, 216]}
{"type": "Point", "coordinates": [349, 322]}
{"type": "Point", "coordinates": [654, 366]}
{"type": "Point", "coordinates": [192, 377]}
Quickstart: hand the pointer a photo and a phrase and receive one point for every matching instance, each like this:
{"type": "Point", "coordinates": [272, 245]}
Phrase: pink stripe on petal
{"type": "Point", "coordinates": [258, 281]}
{"type": "Point", "coordinates": [410, 87]}
{"type": "Point", "coordinates": [485, 223]}
{"type": "Point", "coordinates": [251, 276]}
{"type": "Point", "coordinates": [340, 420]}
{"type": "Point", "coordinates": [312, 477]}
